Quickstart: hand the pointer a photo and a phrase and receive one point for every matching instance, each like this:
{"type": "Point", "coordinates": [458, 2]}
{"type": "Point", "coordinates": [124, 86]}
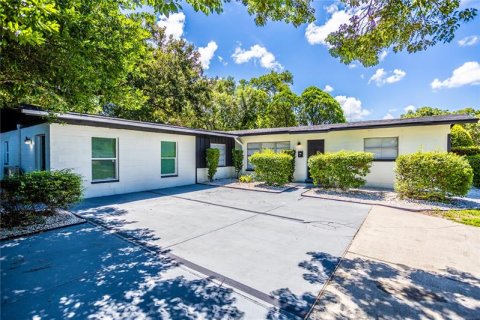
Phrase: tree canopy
{"type": "Point", "coordinates": [319, 107]}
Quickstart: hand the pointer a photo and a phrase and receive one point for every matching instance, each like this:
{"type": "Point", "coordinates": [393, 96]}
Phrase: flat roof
{"type": "Point", "coordinates": [371, 124]}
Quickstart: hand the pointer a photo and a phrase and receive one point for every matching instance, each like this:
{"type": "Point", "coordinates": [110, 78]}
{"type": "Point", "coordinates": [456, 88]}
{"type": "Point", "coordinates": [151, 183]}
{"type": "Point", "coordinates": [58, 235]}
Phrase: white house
{"type": "Point", "coordinates": [117, 156]}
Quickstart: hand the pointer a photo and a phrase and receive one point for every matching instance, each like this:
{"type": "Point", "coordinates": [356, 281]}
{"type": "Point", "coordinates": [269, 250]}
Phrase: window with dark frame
{"type": "Point", "coordinates": [6, 153]}
{"type": "Point", "coordinates": [104, 159]}
{"type": "Point", "coordinates": [382, 148]}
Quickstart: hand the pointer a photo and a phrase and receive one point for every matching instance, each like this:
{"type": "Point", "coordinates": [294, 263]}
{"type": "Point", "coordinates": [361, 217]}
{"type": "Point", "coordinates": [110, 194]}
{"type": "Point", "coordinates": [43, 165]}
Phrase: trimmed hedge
{"type": "Point", "coordinates": [466, 151]}
{"type": "Point", "coordinates": [272, 168]}
{"type": "Point", "coordinates": [474, 162]}
{"type": "Point", "coordinates": [292, 153]}
{"type": "Point", "coordinates": [237, 161]}
{"type": "Point", "coordinates": [460, 137]}
{"type": "Point", "coordinates": [213, 157]}
{"type": "Point", "coordinates": [432, 175]}
{"type": "Point", "coordinates": [38, 193]}
{"type": "Point", "coordinates": [343, 169]}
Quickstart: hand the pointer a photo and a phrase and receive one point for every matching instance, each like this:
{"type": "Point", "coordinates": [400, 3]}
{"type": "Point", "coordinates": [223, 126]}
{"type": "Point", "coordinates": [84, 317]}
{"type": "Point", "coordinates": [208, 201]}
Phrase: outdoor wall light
{"type": "Point", "coordinates": [28, 141]}
{"type": "Point", "coordinates": [299, 144]}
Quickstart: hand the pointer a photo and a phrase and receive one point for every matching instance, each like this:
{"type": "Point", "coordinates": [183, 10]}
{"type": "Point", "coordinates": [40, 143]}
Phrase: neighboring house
{"type": "Point", "coordinates": [118, 156]}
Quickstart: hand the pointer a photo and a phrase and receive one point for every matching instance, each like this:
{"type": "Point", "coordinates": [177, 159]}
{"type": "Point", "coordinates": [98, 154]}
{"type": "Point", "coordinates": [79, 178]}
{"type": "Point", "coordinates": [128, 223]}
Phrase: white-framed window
{"type": "Point", "coordinates": [259, 146]}
{"type": "Point", "coordinates": [382, 148]}
{"type": "Point", "coordinates": [222, 148]}
{"type": "Point", "coordinates": [6, 153]}
{"type": "Point", "coordinates": [104, 159]}
{"type": "Point", "coordinates": [168, 158]}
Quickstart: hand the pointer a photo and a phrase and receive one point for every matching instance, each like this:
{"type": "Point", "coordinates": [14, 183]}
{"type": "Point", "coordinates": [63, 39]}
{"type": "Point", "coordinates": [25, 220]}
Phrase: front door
{"type": "Point", "coordinates": [314, 147]}
{"type": "Point", "coordinates": [40, 155]}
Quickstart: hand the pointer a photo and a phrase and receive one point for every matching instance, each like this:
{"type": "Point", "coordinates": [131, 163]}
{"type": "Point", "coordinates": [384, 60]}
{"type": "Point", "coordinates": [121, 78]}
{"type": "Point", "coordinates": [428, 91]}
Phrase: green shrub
{"type": "Point", "coordinates": [272, 168]}
{"type": "Point", "coordinates": [343, 169]}
{"type": "Point", "coordinates": [432, 175]}
{"type": "Point", "coordinates": [246, 178]}
{"type": "Point", "coordinates": [466, 151]}
{"type": "Point", "coordinates": [38, 193]}
{"type": "Point", "coordinates": [213, 156]}
{"type": "Point", "coordinates": [460, 137]}
{"type": "Point", "coordinates": [474, 162]}
{"type": "Point", "coordinates": [292, 153]}
{"type": "Point", "coordinates": [237, 160]}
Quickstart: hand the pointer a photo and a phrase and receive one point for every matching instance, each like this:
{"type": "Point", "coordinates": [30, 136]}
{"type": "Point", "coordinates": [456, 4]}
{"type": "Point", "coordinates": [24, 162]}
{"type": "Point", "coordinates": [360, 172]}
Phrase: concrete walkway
{"type": "Point", "coordinates": [404, 265]}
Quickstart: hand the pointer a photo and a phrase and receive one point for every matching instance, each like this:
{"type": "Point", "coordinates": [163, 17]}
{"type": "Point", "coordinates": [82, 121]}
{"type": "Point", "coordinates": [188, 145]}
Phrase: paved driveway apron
{"type": "Point", "coordinates": [276, 249]}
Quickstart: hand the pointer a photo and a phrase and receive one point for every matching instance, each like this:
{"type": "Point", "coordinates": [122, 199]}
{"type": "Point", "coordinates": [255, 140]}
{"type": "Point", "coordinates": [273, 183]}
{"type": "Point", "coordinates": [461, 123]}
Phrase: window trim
{"type": "Point", "coordinates": [169, 175]}
{"type": "Point", "coordinates": [6, 153]}
{"type": "Point", "coordinates": [117, 171]}
{"type": "Point", "coordinates": [225, 154]}
{"type": "Point", "coordinates": [382, 159]}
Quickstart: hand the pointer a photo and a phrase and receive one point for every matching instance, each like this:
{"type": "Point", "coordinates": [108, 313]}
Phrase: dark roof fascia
{"type": "Point", "coordinates": [116, 123]}
{"type": "Point", "coordinates": [293, 130]}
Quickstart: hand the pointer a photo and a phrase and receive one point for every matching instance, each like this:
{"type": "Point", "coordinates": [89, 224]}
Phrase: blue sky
{"type": "Point", "coordinates": [232, 45]}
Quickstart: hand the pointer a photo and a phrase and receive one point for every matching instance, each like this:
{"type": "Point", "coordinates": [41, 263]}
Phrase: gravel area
{"type": "Point", "coordinates": [61, 219]}
{"type": "Point", "coordinates": [387, 197]}
{"type": "Point", "coordinates": [254, 186]}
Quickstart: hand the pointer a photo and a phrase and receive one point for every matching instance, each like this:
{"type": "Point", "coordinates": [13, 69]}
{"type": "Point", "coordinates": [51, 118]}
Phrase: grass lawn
{"type": "Point", "coordinates": [469, 217]}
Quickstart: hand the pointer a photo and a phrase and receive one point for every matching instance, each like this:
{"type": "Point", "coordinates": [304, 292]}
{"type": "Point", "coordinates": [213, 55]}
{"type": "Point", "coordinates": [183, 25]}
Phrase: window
{"type": "Point", "coordinates": [221, 148]}
{"type": "Point", "coordinates": [168, 166]}
{"type": "Point", "coordinates": [259, 146]}
{"type": "Point", "coordinates": [382, 148]}
{"type": "Point", "coordinates": [104, 159]}
{"type": "Point", "coordinates": [6, 153]}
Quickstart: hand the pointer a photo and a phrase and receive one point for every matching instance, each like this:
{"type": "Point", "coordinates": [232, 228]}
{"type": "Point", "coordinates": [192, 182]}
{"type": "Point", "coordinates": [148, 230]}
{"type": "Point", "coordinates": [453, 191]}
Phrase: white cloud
{"type": "Point", "coordinates": [207, 53]}
{"type": "Point", "coordinates": [468, 41]}
{"type": "Point", "coordinates": [266, 58]}
{"type": "Point", "coordinates": [388, 116]}
{"type": "Point", "coordinates": [220, 58]}
{"type": "Point", "coordinates": [352, 107]}
{"type": "Point", "coordinates": [328, 88]}
{"type": "Point", "coordinates": [467, 74]}
{"type": "Point", "coordinates": [318, 34]}
{"type": "Point", "coordinates": [382, 77]}
{"type": "Point", "coordinates": [352, 65]}
{"type": "Point", "coordinates": [410, 108]}
{"type": "Point", "coordinates": [383, 55]}
{"type": "Point", "coordinates": [331, 8]}
{"type": "Point", "coordinates": [173, 24]}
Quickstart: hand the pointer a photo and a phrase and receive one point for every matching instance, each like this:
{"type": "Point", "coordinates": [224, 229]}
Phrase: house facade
{"type": "Point", "coordinates": [117, 156]}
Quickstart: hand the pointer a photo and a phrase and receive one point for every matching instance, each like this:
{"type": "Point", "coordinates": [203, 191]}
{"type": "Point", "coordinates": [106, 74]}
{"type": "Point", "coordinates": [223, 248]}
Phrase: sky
{"type": "Point", "coordinates": [446, 76]}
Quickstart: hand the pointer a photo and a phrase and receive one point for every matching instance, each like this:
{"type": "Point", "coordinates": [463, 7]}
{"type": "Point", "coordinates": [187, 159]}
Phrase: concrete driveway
{"type": "Point", "coordinates": [276, 251]}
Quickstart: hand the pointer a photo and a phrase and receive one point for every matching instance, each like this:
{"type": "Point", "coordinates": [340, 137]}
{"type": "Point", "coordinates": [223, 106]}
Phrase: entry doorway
{"type": "Point", "coordinates": [40, 154]}
{"type": "Point", "coordinates": [314, 147]}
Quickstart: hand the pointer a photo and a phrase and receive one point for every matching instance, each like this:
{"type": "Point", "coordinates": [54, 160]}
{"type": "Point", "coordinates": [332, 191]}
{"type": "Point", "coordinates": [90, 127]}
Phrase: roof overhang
{"type": "Point", "coordinates": [117, 123]}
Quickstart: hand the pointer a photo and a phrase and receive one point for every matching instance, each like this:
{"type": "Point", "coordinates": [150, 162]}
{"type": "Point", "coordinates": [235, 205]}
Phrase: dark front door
{"type": "Point", "coordinates": [314, 147]}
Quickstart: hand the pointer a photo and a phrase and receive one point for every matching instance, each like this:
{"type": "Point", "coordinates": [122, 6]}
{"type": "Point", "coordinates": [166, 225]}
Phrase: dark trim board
{"type": "Point", "coordinates": [203, 143]}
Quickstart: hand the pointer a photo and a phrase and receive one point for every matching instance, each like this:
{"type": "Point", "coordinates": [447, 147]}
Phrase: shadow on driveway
{"type": "Point", "coordinates": [83, 271]}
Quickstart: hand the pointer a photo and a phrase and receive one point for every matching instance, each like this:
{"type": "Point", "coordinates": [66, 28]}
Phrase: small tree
{"type": "Point", "coordinates": [460, 137]}
{"type": "Point", "coordinates": [237, 159]}
{"type": "Point", "coordinates": [213, 156]}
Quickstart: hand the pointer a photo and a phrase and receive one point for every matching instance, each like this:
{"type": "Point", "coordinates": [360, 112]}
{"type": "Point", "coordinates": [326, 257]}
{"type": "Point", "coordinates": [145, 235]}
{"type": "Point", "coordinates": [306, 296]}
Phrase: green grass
{"type": "Point", "coordinates": [468, 217]}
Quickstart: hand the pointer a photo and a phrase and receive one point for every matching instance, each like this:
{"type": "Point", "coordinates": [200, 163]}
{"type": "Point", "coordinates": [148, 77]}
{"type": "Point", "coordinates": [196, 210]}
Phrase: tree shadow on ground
{"type": "Point", "coordinates": [364, 288]}
{"type": "Point", "coordinates": [85, 272]}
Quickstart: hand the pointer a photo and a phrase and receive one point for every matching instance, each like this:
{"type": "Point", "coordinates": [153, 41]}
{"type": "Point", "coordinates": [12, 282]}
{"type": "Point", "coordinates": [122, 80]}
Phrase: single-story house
{"type": "Point", "coordinates": [117, 156]}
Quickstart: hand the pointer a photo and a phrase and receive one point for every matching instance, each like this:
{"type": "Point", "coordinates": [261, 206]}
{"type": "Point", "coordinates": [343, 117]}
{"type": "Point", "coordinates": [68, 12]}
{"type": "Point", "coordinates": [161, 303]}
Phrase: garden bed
{"type": "Point", "coordinates": [253, 186]}
{"type": "Point", "coordinates": [61, 219]}
{"type": "Point", "coordinates": [389, 198]}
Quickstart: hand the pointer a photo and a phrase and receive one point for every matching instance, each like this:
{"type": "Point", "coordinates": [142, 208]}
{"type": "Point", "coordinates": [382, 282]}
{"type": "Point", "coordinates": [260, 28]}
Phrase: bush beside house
{"type": "Point", "coordinates": [272, 168]}
{"type": "Point", "coordinates": [343, 169]}
{"type": "Point", "coordinates": [292, 153]}
{"type": "Point", "coordinates": [237, 161]}
{"type": "Point", "coordinates": [460, 137]}
{"type": "Point", "coordinates": [38, 193]}
{"type": "Point", "coordinates": [432, 175]}
{"type": "Point", "coordinates": [213, 157]}
{"type": "Point", "coordinates": [474, 162]}
{"type": "Point", "coordinates": [466, 151]}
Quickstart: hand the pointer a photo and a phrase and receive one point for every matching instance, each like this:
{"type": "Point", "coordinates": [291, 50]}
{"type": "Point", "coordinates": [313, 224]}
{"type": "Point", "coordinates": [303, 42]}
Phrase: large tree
{"type": "Point", "coordinates": [424, 112]}
{"type": "Point", "coordinates": [281, 110]}
{"type": "Point", "coordinates": [319, 107]}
